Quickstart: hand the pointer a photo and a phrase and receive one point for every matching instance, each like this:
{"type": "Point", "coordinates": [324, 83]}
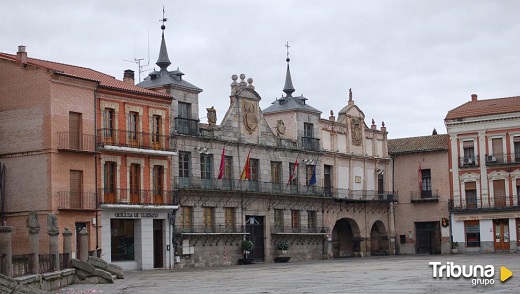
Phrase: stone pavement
{"type": "Point", "coordinates": [388, 274]}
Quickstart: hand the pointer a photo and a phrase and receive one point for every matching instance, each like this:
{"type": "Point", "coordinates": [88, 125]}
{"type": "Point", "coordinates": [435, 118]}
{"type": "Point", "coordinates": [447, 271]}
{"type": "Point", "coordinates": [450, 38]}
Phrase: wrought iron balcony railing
{"type": "Point", "coordinates": [505, 158]}
{"type": "Point", "coordinates": [468, 161]}
{"type": "Point", "coordinates": [141, 140]}
{"type": "Point", "coordinates": [424, 196]}
{"type": "Point", "coordinates": [210, 228]}
{"type": "Point", "coordinates": [187, 126]}
{"type": "Point", "coordinates": [136, 197]}
{"type": "Point", "coordinates": [68, 141]}
{"type": "Point", "coordinates": [495, 203]}
{"type": "Point", "coordinates": [309, 143]}
{"type": "Point", "coordinates": [197, 183]}
{"type": "Point", "coordinates": [298, 229]}
{"type": "Point", "coordinates": [77, 200]}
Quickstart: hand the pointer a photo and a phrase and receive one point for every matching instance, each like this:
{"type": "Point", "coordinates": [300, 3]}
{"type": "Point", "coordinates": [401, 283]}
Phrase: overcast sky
{"type": "Point", "coordinates": [407, 62]}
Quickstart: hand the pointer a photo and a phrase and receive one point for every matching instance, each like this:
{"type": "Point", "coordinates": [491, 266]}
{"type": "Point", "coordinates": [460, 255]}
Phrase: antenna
{"type": "Point", "coordinates": [138, 60]}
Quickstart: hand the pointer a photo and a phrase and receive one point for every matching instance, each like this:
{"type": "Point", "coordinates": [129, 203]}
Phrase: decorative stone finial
{"type": "Point", "coordinates": [52, 224]}
{"type": "Point", "coordinates": [32, 223]}
{"type": "Point", "coordinates": [250, 83]}
{"type": "Point", "coordinates": [383, 124]}
{"type": "Point", "coordinates": [212, 116]}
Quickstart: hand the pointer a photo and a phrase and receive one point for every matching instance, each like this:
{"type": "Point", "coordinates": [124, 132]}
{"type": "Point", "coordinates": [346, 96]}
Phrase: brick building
{"type": "Point", "coordinates": [91, 149]}
{"type": "Point", "coordinates": [484, 166]}
{"type": "Point", "coordinates": [420, 168]}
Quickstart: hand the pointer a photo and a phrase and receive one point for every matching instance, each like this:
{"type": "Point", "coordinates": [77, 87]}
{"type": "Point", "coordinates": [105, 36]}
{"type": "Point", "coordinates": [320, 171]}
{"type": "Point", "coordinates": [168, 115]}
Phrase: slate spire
{"type": "Point", "coordinates": [288, 88]}
{"type": "Point", "coordinates": [163, 61]}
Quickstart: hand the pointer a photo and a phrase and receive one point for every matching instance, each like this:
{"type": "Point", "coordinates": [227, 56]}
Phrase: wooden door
{"type": "Point", "coordinates": [74, 130]}
{"type": "Point", "coordinates": [135, 183]}
{"type": "Point", "coordinates": [501, 234]}
{"type": "Point", "coordinates": [76, 187]}
{"type": "Point", "coordinates": [499, 193]}
{"type": "Point", "coordinates": [158, 247]}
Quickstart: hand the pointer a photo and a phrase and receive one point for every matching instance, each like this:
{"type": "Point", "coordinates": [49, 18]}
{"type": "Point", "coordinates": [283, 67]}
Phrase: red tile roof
{"type": "Point", "coordinates": [485, 107]}
{"type": "Point", "coordinates": [418, 144]}
{"type": "Point", "coordinates": [104, 80]}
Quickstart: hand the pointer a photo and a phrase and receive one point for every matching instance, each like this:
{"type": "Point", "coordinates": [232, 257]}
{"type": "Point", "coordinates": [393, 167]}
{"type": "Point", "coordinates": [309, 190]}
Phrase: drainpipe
{"type": "Point", "coordinates": [96, 171]}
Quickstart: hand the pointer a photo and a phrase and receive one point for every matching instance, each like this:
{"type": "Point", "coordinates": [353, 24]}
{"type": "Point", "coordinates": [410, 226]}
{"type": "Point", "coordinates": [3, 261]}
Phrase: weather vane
{"type": "Point", "coordinates": [164, 19]}
{"type": "Point", "coordinates": [287, 45]}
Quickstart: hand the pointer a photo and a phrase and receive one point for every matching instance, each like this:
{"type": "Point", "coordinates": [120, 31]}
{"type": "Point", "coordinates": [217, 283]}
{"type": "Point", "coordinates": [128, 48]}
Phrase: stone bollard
{"type": "Point", "coordinates": [67, 245]}
{"type": "Point", "coordinates": [6, 251]}
{"type": "Point", "coordinates": [83, 244]}
{"type": "Point", "coordinates": [53, 232]}
{"type": "Point", "coordinates": [33, 226]}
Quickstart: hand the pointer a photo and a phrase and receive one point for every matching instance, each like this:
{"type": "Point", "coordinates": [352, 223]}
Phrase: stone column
{"type": "Point", "coordinates": [67, 246]}
{"type": "Point", "coordinates": [53, 232]}
{"type": "Point", "coordinates": [83, 244]}
{"type": "Point", "coordinates": [33, 226]}
{"type": "Point", "coordinates": [6, 251]}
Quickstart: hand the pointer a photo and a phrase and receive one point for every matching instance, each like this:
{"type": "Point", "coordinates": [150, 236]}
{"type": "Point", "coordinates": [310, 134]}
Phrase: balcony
{"type": "Point", "coordinates": [210, 229]}
{"type": "Point", "coordinates": [76, 142]}
{"type": "Point", "coordinates": [76, 201]}
{"type": "Point", "coordinates": [110, 196]}
{"type": "Point", "coordinates": [424, 196]}
{"type": "Point", "coordinates": [497, 203]}
{"type": "Point", "coordinates": [468, 161]}
{"type": "Point", "coordinates": [187, 126]}
{"type": "Point", "coordinates": [309, 143]}
{"type": "Point", "coordinates": [299, 230]}
{"type": "Point", "coordinates": [233, 185]}
{"type": "Point", "coordinates": [502, 159]}
{"type": "Point", "coordinates": [135, 142]}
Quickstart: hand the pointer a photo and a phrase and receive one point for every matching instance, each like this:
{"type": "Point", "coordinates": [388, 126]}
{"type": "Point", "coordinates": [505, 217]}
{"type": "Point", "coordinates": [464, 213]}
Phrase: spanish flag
{"type": "Point", "coordinates": [246, 174]}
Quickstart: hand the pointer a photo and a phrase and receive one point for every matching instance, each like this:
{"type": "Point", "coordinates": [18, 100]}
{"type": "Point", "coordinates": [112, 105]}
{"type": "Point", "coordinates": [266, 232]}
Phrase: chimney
{"type": "Point", "coordinates": [128, 76]}
{"type": "Point", "coordinates": [473, 97]}
{"type": "Point", "coordinates": [21, 55]}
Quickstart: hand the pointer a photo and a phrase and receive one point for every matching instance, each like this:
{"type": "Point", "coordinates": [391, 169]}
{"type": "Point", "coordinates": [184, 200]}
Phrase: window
{"type": "Point", "coordinates": [278, 220]}
{"type": "Point", "coordinates": [516, 147]}
{"type": "Point", "coordinates": [472, 233]}
{"type": "Point", "coordinates": [74, 130]}
{"type": "Point", "coordinates": [108, 124]}
{"type": "Point", "coordinates": [380, 184]}
{"type": "Point", "coordinates": [158, 183]}
{"type": "Point", "coordinates": [205, 166]}
{"type": "Point", "coordinates": [156, 131]}
{"type": "Point", "coordinates": [254, 168]}
{"type": "Point", "coordinates": [135, 182]}
{"type": "Point", "coordinates": [187, 217]}
{"type": "Point", "coordinates": [499, 193]}
{"type": "Point", "coordinates": [276, 176]}
{"type": "Point", "coordinates": [308, 130]}
{"type": "Point", "coordinates": [426, 186]}
{"type": "Point", "coordinates": [110, 177]}
{"type": "Point", "coordinates": [327, 179]}
{"type": "Point", "coordinates": [133, 127]}
{"type": "Point", "coordinates": [209, 216]}
{"type": "Point", "coordinates": [295, 220]}
{"type": "Point", "coordinates": [228, 160]}
{"type": "Point", "coordinates": [76, 187]}
{"type": "Point", "coordinates": [402, 239]}
{"type": "Point", "coordinates": [496, 144]}
{"type": "Point", "coordinates": [122, 239]}
{"type": "Point", "coordinates": [184, 110]}
{"type": "Point", "coordinates": [309, 169]}
{"type": "Point", "coordinates": [294, 180]}
{"type": "Point", "coordinates": [312, 222]}
{"type": "Point", "coordinates": [469, 152]}
{"type": "Point", "coordinates": [276, 172]}
{"type": "Point", "coordinates": [471, 195]}
{"type": "Point", "coordinates": [184, 164]}
{"type": "Point", "coordinates": [229, 219]}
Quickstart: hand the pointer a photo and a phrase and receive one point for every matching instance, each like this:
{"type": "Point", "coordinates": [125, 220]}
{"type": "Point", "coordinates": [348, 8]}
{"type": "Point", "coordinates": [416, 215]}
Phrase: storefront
{"type": "Point", "coordinates": [137, 237]}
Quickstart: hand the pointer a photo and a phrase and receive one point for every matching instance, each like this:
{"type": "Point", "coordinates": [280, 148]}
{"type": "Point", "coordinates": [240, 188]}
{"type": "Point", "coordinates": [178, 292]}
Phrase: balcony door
{"type": "Point", "coordinates": [158, 184]}
{"type": "Point", "coordinates": [133, 129]}
{"type": "Point", "coordinates": [135, 183]}
{"type": "Point", "coordinates": [76, 187]}
{"type": "Point", "coordinates": [327, 180]}
{"type": "Point", "coordinates": [74, 130]}
{"type": "Point", "coordinates": [109, 177]}
{"type": "Point", "coordinates": [499, 193]}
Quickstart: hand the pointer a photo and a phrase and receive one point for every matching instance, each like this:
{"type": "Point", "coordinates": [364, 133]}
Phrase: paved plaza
{"type": "Point", "coordinates": [389, 274]}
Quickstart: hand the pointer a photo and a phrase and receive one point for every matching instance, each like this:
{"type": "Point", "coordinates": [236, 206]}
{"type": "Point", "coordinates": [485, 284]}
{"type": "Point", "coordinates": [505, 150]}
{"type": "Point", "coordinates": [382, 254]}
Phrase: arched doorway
{"type": "Point", "coordinates": [379, 239]}
{"type": "Point", "coordinates": [345, 238]}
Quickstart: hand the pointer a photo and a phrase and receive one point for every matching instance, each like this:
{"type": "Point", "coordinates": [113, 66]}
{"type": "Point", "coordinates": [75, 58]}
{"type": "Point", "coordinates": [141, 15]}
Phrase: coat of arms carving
{"type": "Point", "coordinates": [249, 116]}
{"type": "Point", "coordinates": [356, 132]}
